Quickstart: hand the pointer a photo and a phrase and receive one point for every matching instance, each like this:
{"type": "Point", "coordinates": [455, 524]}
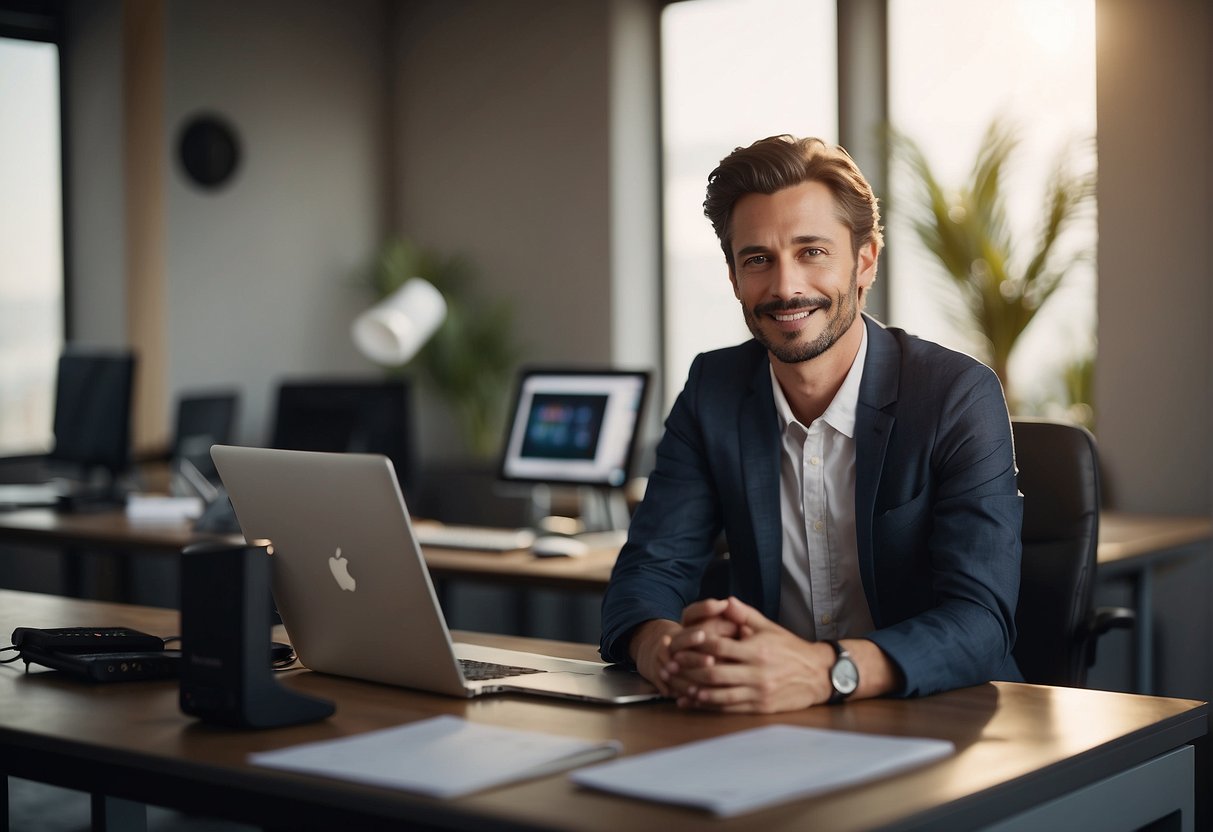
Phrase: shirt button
{"type": "Point", "coordinates": [814, 460]}
{"type": "Point", "coordinates": [818, 525]}
{"type": "Point", "coordinates": [826, 619]}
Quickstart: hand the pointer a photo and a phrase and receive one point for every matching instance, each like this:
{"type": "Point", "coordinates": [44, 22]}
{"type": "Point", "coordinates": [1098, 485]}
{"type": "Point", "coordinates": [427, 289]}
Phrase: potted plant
{"type": "Point", "coordinates": [470, 359]}
{"type": "Point", "coordinates": [1001, 283]}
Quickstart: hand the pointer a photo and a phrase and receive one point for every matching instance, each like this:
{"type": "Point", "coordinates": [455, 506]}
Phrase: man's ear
{"type": "Point", "coordinates": [733, 280]}
{"type": "Point", "coordinates": [865, 265]}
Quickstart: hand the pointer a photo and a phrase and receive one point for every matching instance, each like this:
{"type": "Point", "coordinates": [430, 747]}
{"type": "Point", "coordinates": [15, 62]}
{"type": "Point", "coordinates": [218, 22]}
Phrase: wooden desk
{"type": "Point", "coordinates": [1033, 757]}
{"type": "Point", "coordinates": [112, 530]}
{"type": "Point", "coordinates": [1132, 547]}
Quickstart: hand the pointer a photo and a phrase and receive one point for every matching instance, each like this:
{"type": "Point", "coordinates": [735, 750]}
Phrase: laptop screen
{"type": "Point", "coordinates": [574, 426]}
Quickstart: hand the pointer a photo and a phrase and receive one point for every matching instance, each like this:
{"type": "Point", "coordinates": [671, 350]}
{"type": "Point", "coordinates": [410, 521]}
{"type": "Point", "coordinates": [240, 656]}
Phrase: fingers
{"type": "Point", "coordinates": [770, 671]}
{"type": "Point", "coordinates": [703, 610]}
{"type": "Point", "coordinates": [691, 638]}
{"type": "Point", "coordinates": [745, 616]}
{"type": "Point", "coordinates": [724, 687]}
{"type": "Point", "coordinates": [723, 648]}
{"type": "Point", "coordinates": [650, 648]}
{"type": "Point", "coordinates": [656, 672]}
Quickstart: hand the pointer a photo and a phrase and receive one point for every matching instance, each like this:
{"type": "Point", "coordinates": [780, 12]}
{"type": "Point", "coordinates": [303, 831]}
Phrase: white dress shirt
{"type": "Point", "coordinates": [821, 594]}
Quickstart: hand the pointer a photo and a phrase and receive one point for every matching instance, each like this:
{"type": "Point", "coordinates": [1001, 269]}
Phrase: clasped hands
{"type": "Point", "coordinates": [726, 656]}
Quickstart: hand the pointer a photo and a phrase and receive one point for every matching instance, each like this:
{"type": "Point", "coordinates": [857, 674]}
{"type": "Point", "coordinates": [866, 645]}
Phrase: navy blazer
{"type": "Point", "coordinates": [937, 509]}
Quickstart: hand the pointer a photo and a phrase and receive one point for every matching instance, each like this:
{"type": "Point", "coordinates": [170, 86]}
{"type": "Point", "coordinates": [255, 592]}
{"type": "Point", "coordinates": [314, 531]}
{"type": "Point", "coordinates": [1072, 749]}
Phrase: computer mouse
{"type": "Point", "coordinates": [558, 546]}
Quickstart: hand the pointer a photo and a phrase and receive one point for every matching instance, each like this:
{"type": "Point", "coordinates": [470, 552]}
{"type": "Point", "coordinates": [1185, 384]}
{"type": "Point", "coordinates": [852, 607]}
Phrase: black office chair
{"type": "Point", "coordinates": [1056, 619]}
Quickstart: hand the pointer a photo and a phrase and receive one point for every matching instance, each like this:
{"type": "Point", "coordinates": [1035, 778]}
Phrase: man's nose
{"type": "Point", "coordinates": [785, 280]}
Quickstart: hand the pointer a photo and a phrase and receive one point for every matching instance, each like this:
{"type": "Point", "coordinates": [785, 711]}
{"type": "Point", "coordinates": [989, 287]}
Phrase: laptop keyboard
{"type": "Point", "coordinates": [475, 671]}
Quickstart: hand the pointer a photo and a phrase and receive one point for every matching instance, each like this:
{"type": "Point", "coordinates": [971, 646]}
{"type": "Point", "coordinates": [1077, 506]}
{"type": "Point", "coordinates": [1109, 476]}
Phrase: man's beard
{"type": "Point", "coordinates": [786, 347]}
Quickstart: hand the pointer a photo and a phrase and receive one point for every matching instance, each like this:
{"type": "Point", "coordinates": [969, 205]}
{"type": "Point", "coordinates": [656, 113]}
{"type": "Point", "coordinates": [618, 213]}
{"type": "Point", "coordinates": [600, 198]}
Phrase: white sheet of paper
{"type": "Point", "coordinates": [444, 756]}
{"type": "Point", "coordinates": [753, 769]}
{"type": "Point", "coordinates": [158, 508]}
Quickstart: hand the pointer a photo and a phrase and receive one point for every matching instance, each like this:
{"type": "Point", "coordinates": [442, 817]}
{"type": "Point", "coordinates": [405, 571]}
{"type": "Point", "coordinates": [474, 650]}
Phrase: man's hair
{"type": "Point", "coordinates": [779, 162]}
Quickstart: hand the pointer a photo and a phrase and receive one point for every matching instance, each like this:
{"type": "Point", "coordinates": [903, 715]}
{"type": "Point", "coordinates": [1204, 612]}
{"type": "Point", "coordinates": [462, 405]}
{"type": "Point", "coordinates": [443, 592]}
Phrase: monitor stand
{"type": "Point", "coordinates": [94, 491]}
{"type": "Point", "coordinates": [602, 509]}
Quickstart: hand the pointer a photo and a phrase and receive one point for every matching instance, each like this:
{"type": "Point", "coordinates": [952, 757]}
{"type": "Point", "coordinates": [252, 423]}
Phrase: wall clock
{"type": "Point", "coordinates": [208, 150]}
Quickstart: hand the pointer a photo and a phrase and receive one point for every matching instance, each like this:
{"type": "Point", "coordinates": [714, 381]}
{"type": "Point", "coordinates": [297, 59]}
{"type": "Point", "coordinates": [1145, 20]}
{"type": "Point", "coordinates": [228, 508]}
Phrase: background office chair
{"type": "Point", "coordinates": [1057, 622]}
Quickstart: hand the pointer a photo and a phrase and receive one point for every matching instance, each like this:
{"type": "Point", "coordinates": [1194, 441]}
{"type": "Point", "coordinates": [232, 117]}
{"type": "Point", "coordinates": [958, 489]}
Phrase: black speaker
{"type": "Point", "coordinates": [225, 642]}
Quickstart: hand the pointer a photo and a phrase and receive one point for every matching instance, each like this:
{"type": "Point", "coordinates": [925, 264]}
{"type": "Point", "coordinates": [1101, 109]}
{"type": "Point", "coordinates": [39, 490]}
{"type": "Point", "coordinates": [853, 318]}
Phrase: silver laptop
{"type": "Point", "coordinates": [354, 592]}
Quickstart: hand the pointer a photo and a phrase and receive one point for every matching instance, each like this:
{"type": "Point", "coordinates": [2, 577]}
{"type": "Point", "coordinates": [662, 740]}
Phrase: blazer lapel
{"type": "Point", "coordinates": [873, 426]}
{"type": "Point", "coordinates": [758, 438]}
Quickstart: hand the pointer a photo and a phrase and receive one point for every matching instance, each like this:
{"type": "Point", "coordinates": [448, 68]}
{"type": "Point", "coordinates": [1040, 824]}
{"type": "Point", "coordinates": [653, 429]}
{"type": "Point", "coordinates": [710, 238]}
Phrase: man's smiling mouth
{"type": "Point", "coordinates": [786, 317]}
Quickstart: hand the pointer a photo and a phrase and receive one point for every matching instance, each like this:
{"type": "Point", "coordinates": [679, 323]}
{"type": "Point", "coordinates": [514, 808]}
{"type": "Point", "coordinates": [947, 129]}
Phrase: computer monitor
{"type": "Point", "coordinates": [203, 419]}
{"type": "Point", "coordinates": [348, 416]}
{"type": "Point", "coordinates": [92, 425]}
{"type": "Point", "coordinates": [575, 427]}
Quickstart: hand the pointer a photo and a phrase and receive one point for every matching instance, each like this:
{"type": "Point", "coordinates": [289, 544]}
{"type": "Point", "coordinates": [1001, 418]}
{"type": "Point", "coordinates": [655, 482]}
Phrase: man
{"type": "Point", "coordinates": [864, 479]}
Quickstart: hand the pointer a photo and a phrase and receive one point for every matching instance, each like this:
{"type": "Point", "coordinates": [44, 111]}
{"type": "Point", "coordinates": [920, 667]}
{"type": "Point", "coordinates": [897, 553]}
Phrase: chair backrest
{"type": "Point", "coordinates": [1059, 479]}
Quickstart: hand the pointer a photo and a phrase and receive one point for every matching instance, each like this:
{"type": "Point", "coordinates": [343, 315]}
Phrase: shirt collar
{"type": "Point", "coordinates": [840, 415]}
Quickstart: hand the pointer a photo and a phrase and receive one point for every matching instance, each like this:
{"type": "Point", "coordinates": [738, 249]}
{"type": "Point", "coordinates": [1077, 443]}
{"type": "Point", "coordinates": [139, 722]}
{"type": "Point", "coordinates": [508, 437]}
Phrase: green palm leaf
{"type": "Point", "coordinates": [999, 284]}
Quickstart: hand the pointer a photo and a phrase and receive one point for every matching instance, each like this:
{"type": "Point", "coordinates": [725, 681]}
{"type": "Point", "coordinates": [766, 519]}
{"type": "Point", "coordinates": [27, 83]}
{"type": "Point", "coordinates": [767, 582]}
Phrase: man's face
{"type": "Point", "coordinates": [794, 272]}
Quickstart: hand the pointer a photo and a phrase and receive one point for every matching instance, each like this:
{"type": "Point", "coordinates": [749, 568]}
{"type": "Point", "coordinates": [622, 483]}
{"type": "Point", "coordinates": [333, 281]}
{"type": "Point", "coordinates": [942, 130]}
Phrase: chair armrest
{"type": "Point", "coordinates": [1104, 619]}
{"type": "Point", "coordinates": [1101, 620]}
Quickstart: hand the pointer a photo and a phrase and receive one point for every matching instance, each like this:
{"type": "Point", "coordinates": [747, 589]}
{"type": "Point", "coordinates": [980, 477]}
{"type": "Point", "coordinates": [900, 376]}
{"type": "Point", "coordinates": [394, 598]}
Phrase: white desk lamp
{"type": "Point", "coordinates": [392, 331]}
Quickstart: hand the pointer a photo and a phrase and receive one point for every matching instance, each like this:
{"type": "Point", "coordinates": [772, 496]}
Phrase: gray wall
{"type": "Point", "coordinates": [1155, 127]}
{"type": "Point", "coordinates": [481, 128]}
{"type": "Point", "coordinates": [261, 273]}
{"type": "Point", "coordinates": [1155, 304]}
{"type": "Point", "coordinates": [503, 155]}
{"type": "Point", "coordinates": [527, 142]}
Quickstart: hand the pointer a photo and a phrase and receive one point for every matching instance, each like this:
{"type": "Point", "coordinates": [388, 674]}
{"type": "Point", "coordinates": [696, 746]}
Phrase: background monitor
{"type": "Point", "coordinates": [203, 419]}
{"type": "Point", "coordinates": [574, 426]}
{"type": "Point", "coordinates": [348, 416]}
{"type": "Point", "coordinates": [93, 394]}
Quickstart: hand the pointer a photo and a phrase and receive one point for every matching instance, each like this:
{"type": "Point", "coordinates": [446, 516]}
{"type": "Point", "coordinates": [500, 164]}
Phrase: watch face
{"type": "Point", "coordinates": [845, 676]}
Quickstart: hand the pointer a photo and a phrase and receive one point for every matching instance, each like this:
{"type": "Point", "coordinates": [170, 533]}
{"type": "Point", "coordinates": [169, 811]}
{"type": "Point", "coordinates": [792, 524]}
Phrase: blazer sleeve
{"type": "Point", "coordinates": [949, 555]}
{"type": "Point", "coordinates": [671, 536]}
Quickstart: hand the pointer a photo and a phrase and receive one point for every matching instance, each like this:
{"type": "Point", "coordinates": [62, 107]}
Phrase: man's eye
{"type": "Point", "coordinates": [814, 252]}
{"type": "Point", "coordinates": [756, 260]}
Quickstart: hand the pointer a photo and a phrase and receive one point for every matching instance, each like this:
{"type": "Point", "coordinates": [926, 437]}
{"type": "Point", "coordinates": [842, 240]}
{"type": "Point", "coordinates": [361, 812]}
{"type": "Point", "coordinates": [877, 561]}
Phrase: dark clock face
{"type": "Point", "coordinates": [208, 151]}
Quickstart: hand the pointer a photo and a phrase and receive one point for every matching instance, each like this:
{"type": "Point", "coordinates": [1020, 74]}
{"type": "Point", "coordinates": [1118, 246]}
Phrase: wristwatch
{"type": "Point", "coordinates": [844, 675]}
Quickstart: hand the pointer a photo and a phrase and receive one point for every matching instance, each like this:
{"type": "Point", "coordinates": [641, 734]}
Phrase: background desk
{"type": "Point", "coordinates": [1103, 760]}
{"type": "Point", "coordinates": [112, 530]}
{"type": "Point", "coordinates": [526, 595]}
{"type": "Point", "coordinates": [1131, 548]}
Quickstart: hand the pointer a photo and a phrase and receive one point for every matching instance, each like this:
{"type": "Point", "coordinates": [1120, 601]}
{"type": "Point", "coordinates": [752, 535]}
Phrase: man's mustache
{"type": "Point", "coordinates": [776, 307]}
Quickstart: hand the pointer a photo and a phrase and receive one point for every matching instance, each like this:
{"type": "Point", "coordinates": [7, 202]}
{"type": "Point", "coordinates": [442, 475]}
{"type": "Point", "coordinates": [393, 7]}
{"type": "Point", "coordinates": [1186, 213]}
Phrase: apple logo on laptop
{"type": "Point", "coordinates": [341, 571]}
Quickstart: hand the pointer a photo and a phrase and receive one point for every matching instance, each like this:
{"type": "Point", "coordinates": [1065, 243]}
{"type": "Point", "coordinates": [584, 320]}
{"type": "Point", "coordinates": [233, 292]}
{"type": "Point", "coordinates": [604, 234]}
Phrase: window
{"type": "Point", "coordinates": [953, 66]}
{"type": "Point", "coordinates": [733, 71]}
{"type": "Point", "coordinates": [31, 239]}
